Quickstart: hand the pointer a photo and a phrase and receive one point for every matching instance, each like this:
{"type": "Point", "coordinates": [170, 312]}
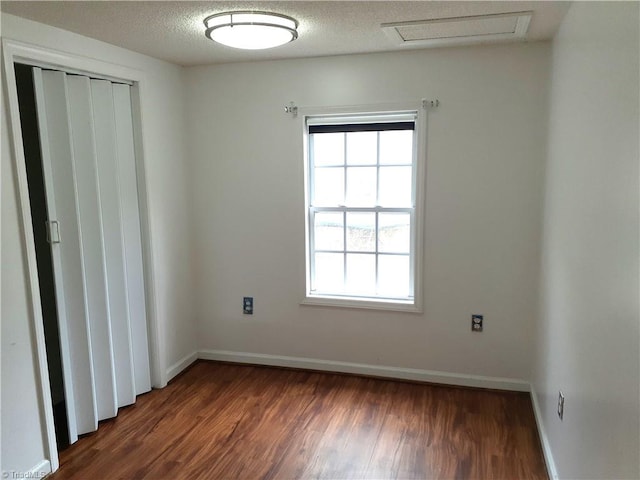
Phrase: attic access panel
{"type": "Point", "coordinates": [441, 32]}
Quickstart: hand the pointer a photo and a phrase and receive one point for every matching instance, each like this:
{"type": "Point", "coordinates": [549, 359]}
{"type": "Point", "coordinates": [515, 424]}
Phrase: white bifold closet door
{"type": "Point", "coordinates": [86, 137]}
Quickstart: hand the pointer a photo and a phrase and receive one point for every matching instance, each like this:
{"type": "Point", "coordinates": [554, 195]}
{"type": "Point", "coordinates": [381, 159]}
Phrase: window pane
{"type": "Point", "coordinates": [361, 186]}
{"type": "Point", "coordinates": [396, 147]}
{"type": "Point", "coordinates": [328, 148]}
{"type": "Point", "coordinates": [395, 187]}
{"type": "Point", "coordinates": [328, 186]}
{"type": "Point", "coordinates": [329, 233]}
{"type": "Point", "coordinates": [393, 275]}
{"type": "Point", "coordinates": [361, 274]}
{"type": "Point", "coordinates": [329, 272]}
{"type": "Point", "coordinates": [394, 232]}
{"type": "Point", "coordinates": [361, 200]}
{"type": "Point", "coordinates": [362, 148]}
{"type": "Point", "coordinates": [361, 232]}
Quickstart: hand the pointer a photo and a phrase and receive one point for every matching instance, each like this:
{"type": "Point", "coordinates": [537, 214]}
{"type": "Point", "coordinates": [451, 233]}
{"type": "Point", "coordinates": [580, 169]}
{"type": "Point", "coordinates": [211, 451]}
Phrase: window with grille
{"type": "Point", "coordinates": [361, 204]}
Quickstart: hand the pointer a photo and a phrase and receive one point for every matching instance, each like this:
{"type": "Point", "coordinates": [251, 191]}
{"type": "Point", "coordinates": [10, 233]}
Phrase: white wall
{"type": "Point", "coordinates": [168, 186]}
{"type": "Point", "coordinates": [486, 146]}
{"type": "Point", "coordinates": [587, 340]}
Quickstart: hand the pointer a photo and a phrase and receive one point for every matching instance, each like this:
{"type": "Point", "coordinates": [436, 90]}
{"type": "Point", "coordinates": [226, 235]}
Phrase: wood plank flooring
{"type": "Point", "coordinates": [222, 421]}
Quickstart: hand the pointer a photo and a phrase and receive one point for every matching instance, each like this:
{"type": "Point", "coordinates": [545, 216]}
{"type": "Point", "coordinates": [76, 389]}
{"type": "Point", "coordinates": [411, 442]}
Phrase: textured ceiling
{"type": "Point", "coordinates": [173, 30]}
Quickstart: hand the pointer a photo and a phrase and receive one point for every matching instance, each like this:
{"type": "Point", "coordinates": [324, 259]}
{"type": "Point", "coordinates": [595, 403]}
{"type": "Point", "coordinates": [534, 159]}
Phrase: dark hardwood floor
{"type": "Point", "coordinates": [221, 421]}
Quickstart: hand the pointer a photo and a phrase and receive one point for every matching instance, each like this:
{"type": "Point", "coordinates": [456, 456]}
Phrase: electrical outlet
{"type": "Point", "coordinates": [560, 405]}
{"type": "Point", "coordinates": [247, 305]}
{"type": "Point", "coordinates": [476, 323]}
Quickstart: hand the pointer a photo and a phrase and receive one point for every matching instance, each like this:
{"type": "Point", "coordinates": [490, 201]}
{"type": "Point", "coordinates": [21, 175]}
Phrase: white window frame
{"type": "Point", "coordinates": [367, 114]}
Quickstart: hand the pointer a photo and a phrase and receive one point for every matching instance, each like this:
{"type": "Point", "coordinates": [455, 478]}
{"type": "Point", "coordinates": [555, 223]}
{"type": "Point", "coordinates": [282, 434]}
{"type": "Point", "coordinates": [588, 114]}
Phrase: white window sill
{"type": "Point", "coordinates": [368, 304]}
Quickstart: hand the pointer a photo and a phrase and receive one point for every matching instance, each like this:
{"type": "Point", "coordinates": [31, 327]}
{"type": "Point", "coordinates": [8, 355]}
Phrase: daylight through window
{"type": "Point", "coordinates": [361, 207]}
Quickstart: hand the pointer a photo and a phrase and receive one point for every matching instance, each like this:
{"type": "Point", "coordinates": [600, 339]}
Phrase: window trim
{"type": "Point", "coordinates": [368, 113]}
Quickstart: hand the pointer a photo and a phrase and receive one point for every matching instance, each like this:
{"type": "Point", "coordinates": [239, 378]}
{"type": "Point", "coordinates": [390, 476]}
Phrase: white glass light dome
{"type": "Point", "coordinates": [251, 30]}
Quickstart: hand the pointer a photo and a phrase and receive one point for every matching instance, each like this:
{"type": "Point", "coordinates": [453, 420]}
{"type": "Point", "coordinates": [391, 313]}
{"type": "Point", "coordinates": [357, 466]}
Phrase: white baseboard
{"type": "Point", "coordinates": [38, 471]}
{"type": "Point", "coordinates": [181, 364]}
{"type": "Point", "coordinates": [366, 369]}
{"type": "Point", "coordinates": [546, 447]}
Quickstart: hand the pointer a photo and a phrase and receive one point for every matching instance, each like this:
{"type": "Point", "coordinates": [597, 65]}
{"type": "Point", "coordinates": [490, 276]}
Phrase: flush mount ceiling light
{"type": "Point", "coordinates": [251, 30]}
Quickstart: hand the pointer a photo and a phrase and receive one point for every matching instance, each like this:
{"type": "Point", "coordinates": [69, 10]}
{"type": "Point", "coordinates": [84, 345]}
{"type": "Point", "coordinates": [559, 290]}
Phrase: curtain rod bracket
{"type": "Point", "coordinates": [292, 109]}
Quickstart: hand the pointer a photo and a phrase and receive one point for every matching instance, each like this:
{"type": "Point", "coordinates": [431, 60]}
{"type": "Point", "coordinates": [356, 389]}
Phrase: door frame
{"type": "Point", "coordinates": [37, 56]}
